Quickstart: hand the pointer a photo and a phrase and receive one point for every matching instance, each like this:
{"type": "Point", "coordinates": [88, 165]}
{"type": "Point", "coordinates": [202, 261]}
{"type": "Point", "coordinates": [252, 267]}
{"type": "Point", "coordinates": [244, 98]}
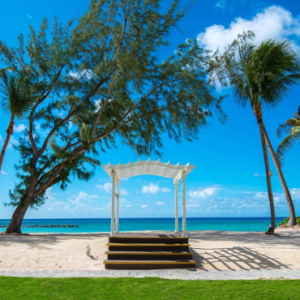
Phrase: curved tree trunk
{"type": "Point", "coordinates": [258, 115]}
{"type": "Point", "coordinates": [17, 219]}
{"type": "Point", "coordinates": [289, 200]}
{"type": "Point", "coordinates": [9, 132]}
{"type": "Point", "coordinates": [19, 213]}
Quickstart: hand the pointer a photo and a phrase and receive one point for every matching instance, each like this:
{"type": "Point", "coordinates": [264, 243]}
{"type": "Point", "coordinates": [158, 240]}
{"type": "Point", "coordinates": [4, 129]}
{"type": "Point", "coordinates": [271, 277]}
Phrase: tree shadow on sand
{"type": "Point", "coordinates": [44, 240]}
{"type": "Point", "coordinates": [234, 258]}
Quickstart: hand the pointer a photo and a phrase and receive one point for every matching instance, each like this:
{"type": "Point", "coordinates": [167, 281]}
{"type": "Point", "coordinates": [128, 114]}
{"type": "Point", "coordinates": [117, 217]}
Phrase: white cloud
{"type": "Point", "coordinates": [3, 172]}
{"type": "Point", "coordinates": [123, 192]}
{"type": "Point", "coordinates": [274, 22]}
{"type": "Point", "coordinates": [295, 193]}
{"type": "Point", "coordinates": [203, 193]}
{"type": "Point", "coordinates": [160, 203]}
{"type": "Point", "coordinates": [107, 188]}
{"type": "Point", "coordinates": [144, 206]}
{"type": "Point", "coordinates": [98, 105]}
{"type": "Point", "coordinates": [153, 189]}
{"type": "Point", "coordinates": [259, 175]}
{"type": "Point", "coordinates": [19, 128]}
{"type": "Point", "coordinates": [84, 74]}
{"type": "Point", "coordinates": [150, 189]}
{"type": "Point", "coordinates": [82, 200]}
{"type": "Point", "coordinates": [261, 195]}
{"type": "Point", "coordinates": [221, 5]}
{"type": "Point", "coordinates": [165, 190]}
{"type": "Point", "coordinates": [221, 201]}
{"type": "Point", "coordinates": [49, 195]}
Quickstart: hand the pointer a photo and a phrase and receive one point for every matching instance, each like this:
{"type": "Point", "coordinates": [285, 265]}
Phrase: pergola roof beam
{"type": "Point", "coordinates": [148, 167]}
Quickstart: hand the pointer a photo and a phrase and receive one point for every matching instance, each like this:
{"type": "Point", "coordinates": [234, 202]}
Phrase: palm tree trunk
{"type": "Point", "coordinates": [258, 115]}
{"type": "Point", "coordinates": [268, 177]}
{"type": "Point", "coordinates": [292, 220]}
{"type": "Point", "coordinates": [9, 132]}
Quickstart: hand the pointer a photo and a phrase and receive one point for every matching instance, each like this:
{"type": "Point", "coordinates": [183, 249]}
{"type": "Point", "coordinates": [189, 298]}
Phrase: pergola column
{"type": "Point", "coordinates": [117, 208]}
{"type": "Point", "coordinates": [183, 175]}
{"type": "Point", "coordinates": [112, 224]}
{"type": "Point", "coordinates": [176, 205]}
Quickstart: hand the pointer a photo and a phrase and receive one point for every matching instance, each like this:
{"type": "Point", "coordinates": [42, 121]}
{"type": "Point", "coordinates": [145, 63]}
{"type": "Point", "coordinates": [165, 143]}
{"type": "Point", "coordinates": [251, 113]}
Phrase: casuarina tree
{"type": "Point", "coordinates": [102, 80]}
{"type": "Point", "coordinates": [261, 76]}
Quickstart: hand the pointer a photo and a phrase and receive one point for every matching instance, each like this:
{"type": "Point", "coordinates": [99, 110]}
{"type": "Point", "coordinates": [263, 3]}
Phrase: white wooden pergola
{"type": "Point", "coordinates": [148, 167]}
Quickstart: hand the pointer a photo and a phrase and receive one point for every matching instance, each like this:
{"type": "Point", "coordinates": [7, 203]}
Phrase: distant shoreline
{"type": "Point", "coordinates": [257, 224]}
{"type": "Point", "coordinates": [147, 218]}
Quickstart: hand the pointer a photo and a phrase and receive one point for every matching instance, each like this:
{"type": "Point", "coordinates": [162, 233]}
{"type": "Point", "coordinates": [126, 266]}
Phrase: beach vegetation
{"type": "Point", "coordinates": [145, 288]}
{"type": "Point", "coordinates": [101, 80]}
{"type": "Point", "coordinates": [291, 126]}
{"type": "Point", "coordinates": [286, 221]}
{"type": "Point", "coordinates": [262, 76]}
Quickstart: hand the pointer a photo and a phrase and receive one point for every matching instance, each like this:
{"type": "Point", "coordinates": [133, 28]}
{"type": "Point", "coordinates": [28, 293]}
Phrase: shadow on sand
{"type": "Point", "coordinates": [234, 258]}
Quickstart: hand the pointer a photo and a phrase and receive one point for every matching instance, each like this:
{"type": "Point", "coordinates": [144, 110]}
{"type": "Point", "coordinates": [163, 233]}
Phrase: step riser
{"type": "Point", "coordinates": [148, 257]}
{"type": "Point", "coordinates": [149, 241]}
{"type": "Point", "coordinates": [146, 248]}
{"type": "Point", "coordinates": [159, 251]}
{"type": "Point", "coordinates": [146, 266]}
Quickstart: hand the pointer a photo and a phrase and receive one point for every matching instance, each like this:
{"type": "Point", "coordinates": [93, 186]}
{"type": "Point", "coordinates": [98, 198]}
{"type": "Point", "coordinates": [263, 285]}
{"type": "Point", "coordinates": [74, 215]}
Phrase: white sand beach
{"type": "Point", "coordinates": [213, 250]}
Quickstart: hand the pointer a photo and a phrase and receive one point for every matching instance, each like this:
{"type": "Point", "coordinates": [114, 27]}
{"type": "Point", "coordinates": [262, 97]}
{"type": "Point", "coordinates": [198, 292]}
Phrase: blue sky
{"type": "Point", "coordinates": [229, 179]}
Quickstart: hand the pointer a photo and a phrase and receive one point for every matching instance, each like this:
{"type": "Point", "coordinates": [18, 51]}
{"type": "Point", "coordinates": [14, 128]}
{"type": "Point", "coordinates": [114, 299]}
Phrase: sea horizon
{"type": "Point", "coordinates": [92, 225]}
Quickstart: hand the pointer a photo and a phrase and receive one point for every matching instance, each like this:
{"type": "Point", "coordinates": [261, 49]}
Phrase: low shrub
{"type": "Point", "coordinates": [286, 220]}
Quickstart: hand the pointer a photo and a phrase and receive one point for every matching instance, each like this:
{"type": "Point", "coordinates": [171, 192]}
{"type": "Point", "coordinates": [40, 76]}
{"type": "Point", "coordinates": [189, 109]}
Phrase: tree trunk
{"type": "Point", "coordinates": [268, 177]}
{"type": "Point", "coordinates": [258, 115]}
{"type": "Point", "coordinates": [19, 213]}
{"type": "Point", "coordinates": [292, 221]}
{"type": "Point", "coordinates": [9, 132]}
{"type": "Point", "coordinates": [17, 219]}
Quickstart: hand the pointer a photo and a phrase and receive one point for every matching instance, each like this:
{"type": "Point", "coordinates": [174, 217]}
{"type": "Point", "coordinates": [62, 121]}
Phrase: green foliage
{"type": "Point", "coordinates": [293, 127]}
{"type": "Point", "coordinates": [263, 75]}
{"type": "Point", "coordinates": [145, 288]}
{"type": "Point", "coordinates": [102, 80]}
{"type": "Point", "coordinates": [17, 96]}
{"type": "Point", "coordinates": [286, 220]}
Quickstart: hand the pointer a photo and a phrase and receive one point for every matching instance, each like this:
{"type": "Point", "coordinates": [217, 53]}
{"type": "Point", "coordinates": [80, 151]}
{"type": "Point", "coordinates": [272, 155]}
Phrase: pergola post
{"type": "Point", "coordinates": [112, 224]}
{"type": "Point", "coordinates": [117, 208]}
{"type": "Point", "coordinates": [183, 175]}
{"type": "Point", "coordinates": [176, 205]}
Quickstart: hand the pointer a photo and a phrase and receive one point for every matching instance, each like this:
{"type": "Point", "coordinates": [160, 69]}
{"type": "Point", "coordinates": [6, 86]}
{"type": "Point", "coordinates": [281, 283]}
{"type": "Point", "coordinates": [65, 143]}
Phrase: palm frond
{"type": "Point", "coordinates": [18, 97]}
{"type": "Point", "coordinates": [282, 128]}
{"type": "Point", "coordinates": [275, 68]}
{"type": "Point", "coordinates": [285, 145]}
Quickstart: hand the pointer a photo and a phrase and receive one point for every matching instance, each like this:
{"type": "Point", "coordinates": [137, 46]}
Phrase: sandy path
{"type": "Point", "coordinates": [213, 250]}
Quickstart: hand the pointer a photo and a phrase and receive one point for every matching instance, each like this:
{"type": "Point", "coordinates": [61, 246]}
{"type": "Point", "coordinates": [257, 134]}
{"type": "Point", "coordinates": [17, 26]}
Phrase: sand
{"type": "Point", "coordinates": [213, 250]}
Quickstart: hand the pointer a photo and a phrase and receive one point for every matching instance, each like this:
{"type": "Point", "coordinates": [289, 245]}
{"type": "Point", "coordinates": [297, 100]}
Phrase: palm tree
{"type": "Point", "coordinates": [262, 77]}
{"type": "Point", "coordinates": [292, 125]}
{"type": "Point", "coordinates": [16, 100]}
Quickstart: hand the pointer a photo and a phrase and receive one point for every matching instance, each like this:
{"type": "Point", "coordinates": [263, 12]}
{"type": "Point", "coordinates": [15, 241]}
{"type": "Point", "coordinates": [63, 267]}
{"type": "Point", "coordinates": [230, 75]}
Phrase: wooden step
{"type": "Point", "coordinates": [147, 246]}
{"type": "Point", "coordinates": [147, 255]}
{"type": "Point", "coordinates": [149, 239]}
{"type": "Point", "coordinates": [148, 264]}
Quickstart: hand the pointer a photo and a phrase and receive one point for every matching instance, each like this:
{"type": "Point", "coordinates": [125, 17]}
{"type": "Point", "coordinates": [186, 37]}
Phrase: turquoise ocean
{"type": "Point", "coordinates": [142, 224]}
